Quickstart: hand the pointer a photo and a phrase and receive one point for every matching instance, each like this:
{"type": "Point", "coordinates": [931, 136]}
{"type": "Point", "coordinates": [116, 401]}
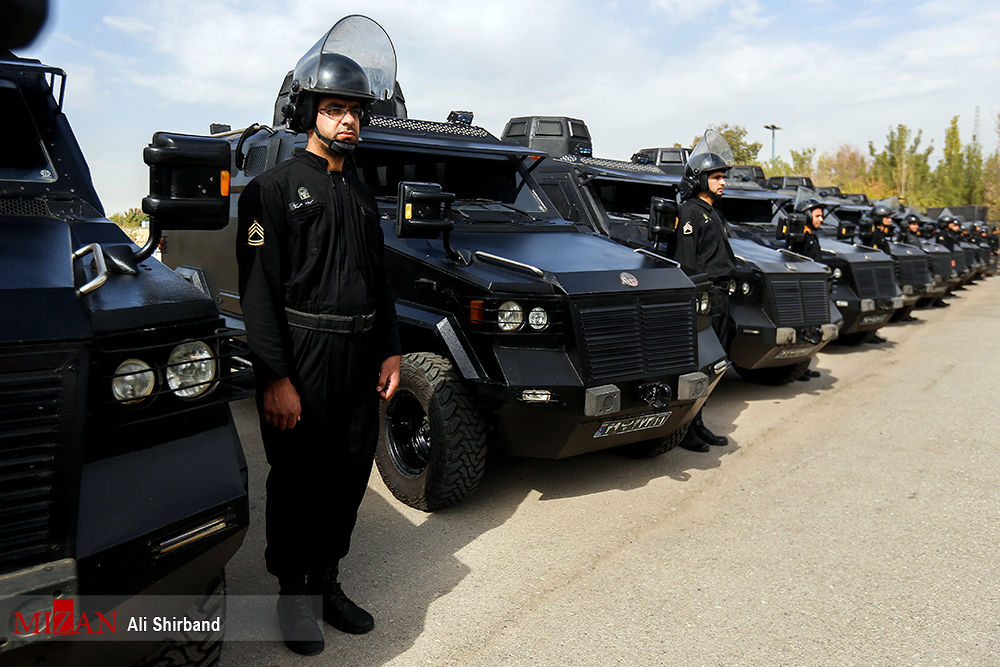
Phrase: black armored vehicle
{"type": "Point", "coordinates": [514, 322]}
{"type": "Point", "coordinates": [121, 469]}
{"type": "Point", "coordinates": [914, 272]}
{"type": "Point", "coordinates": [779, 301]}
{"type": "Point", "coordinates": [864, 285]}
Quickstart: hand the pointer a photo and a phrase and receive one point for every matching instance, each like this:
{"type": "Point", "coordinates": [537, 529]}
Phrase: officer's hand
{"type": "Point", "coordinates": [282, 408]}
{"type": "Point", "coordinates": [388, 378]}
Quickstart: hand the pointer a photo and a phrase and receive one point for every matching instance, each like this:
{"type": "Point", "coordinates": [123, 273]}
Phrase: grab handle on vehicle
{"type": "Point", "coordinates": [102, 268]}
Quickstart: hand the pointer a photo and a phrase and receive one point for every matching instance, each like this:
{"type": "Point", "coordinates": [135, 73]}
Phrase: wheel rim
{"type": "Point", "coordinates": [407, 433]}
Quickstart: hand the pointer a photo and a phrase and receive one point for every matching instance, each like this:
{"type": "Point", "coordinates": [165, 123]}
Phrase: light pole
{"type": "Point", "coordinates": [772, 127]}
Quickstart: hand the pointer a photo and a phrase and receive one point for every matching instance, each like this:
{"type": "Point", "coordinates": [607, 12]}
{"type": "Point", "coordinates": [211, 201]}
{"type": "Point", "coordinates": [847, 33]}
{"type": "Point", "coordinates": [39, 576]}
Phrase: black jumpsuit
{"type": "Point", "coordinates": [808, 246]}
{"type": "Point", "coordinates": [309, 246]}
{"type": "Point", "coordinates": [701, 245]}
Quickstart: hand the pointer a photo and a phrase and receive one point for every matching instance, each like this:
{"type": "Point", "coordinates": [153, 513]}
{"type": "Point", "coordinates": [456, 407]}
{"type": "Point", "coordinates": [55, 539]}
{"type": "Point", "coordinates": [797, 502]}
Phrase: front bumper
{"type": "Point", "coordinates": [862, 315]}
{"type": "Point", "coordinates": [579, 420]}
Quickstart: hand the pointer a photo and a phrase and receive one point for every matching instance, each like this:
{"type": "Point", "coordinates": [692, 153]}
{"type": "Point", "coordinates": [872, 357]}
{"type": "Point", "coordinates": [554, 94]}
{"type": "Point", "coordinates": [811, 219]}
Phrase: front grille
{"type": "Point", "coordinates": [874, 281]}
{"type": "Point", "coordinates": [624, 340]}
{"type": "Point", "coordinates": [795, 303]}
{"type": "Point", "coordinates": [36, 466]}
{"type": "Point", "coordinates": [961, 263]}
{"type": "Point", "coordinates": [913, 271]}
{"type": "Point", "coordinates": [940, 264]}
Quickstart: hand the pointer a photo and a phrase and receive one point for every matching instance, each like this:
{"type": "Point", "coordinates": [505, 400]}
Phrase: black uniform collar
{"type": "Point", "coordinates": [312, 160]}
{"type": "Point", "coordinates": [702, 203]}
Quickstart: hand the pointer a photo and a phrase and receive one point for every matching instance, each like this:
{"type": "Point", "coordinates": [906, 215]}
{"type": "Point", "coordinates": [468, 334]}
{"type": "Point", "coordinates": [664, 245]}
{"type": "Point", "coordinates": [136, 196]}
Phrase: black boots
{"type": "Point", "coordinates": [702, 432]}
{"type": "Point", "coordinates": [340, 612]}
{"type": "Point", "coordinates": [698, 437]}
{"type": "Point", "coordinates": [338, 609]}
{"type": "Point", "coordinates": [297, 621]}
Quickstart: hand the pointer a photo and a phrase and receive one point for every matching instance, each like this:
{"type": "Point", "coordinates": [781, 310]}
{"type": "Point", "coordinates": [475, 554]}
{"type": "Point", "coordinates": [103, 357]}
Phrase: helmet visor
{"type": "Point", "coordinates": [362, 40]}
{"type": "Point", "coordinates": [713, 142]}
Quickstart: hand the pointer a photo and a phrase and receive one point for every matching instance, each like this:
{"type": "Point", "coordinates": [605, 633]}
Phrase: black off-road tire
{"type": "Point", "coordinates": [200, 651]}
{"type": "Point", "coordinates": [444, 460]}
{"type": "Point", "coordinates": [777, 375]}
{"type": "Point", "coordinates": [647, 449]}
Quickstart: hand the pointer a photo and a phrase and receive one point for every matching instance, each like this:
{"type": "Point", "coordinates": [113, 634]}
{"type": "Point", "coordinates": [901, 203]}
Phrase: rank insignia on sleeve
{"type": "Point", "coordinates": [303, 193]}
{"type": "Point", "coordinates": [255, 236]}
{"type": "Point", "coordinates": [688, 228]}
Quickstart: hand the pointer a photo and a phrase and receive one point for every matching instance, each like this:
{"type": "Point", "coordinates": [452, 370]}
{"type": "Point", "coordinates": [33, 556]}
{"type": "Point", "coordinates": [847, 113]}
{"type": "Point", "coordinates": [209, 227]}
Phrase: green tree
{"type": "Point", "coordinates": [777, 167]}
{"type": "Point", "coordinates": [848, 169]}
{"type": "Point", "coordinates": [133, 217]}
{"type": "Point", "coordinates": [802, 161]}
{"type": "Point", "coordinates": [991, 176]}
{"type": "Point", "coordinates": [903, 166]}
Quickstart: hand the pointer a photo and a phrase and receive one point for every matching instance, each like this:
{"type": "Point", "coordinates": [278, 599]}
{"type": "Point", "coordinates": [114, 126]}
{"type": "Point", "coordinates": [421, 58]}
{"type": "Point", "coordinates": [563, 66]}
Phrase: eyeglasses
{"type": "Point", "coordinates": [336, 111]}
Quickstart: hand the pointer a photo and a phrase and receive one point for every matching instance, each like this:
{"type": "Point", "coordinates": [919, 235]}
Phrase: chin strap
{"type": "Point", "coordinates": [335, 146]}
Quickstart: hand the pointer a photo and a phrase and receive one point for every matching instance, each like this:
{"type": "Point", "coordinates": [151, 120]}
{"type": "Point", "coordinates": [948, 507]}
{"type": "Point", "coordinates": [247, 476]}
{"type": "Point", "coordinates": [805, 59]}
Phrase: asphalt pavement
{"type": "Point", "coordinates": [853, 520]}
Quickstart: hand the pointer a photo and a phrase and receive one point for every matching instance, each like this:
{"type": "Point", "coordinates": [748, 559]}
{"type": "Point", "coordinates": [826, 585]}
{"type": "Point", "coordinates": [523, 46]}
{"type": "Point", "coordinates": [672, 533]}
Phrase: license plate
{"type": "Point", "coordinates": [792, 352]}
{"type": "Point", "coordinates": [632, 424]}
{"type": "Point", "coordinates": [874, 319]}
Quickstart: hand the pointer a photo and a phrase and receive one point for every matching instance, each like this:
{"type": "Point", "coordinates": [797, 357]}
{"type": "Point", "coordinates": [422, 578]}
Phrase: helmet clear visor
{"type": "Point", "coordinates": [713, 142]}
{"type": "Point", "coordinates": [362, 40]}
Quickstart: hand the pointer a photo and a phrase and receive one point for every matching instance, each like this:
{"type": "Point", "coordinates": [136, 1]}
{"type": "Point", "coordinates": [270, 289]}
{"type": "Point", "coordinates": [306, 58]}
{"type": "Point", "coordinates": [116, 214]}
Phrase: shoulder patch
{"type": "Point", "coordinates": [255, 236]}
{"type": "Point", "coordinates": [688, 228]}
{"type": "Point", "coordinates": [303, 193]}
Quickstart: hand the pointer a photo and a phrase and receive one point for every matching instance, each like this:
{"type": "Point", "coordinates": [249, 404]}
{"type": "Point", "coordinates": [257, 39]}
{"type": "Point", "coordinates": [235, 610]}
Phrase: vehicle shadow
{"type": "Point", "coordinates": [863, 348]}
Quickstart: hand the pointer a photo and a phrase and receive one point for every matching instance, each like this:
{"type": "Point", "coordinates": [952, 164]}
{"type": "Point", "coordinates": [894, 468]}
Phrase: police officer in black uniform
{"type": "Point", "coordinates": [882, 217]}
{"type": "Point", "coordinates": [910, 233]}
{"type": "Point", "coordinates": [701, 245]}
{"type": "Point", "coordinates": [948, 231]}
{"type": "Point", "coordinates": [322, 329]}
{"type": "Point", "coordinates": [807, 244]}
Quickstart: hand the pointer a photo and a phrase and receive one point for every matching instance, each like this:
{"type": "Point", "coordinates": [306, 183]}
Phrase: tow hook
{"type": "Point", "coordinates": [656, 394]}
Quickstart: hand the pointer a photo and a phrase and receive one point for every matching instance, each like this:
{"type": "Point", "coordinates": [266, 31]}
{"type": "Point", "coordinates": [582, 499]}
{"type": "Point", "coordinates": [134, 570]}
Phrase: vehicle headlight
{"type": "Point", "coordinates": [837, 273]}
{"type": "Point", "coordinates": [731, 287]}
{"type": "Point", "coordinates": [191, 368]}
{"type": "Point", "coordinates": [510, 316]}
{"type": "Point", "coordinates": [538, 319]}
{"type": "Point", "coordinates": [705, 304]}
{"type": "Point", "coordinates": [745, 288]}
{"type": "Point", "coordinates": [133, 381]}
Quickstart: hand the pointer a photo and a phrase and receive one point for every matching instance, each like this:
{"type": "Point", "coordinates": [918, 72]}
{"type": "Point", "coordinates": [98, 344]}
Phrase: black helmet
{"type": "Point", "coordinates": [807, 205]}
{"type": "Point", "coordinates": [911, 218]}
{"type": "Point", "coordinates": [698, 168]}
{"type": "Point", "coordinates": [335, 75]}
{"type": "Point", "coordinates": [880, 211]}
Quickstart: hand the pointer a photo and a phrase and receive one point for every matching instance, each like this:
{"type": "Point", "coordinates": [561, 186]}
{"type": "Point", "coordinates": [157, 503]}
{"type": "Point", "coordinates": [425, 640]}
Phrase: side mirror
{"type": "Point", "coordinates": [188, 185]}
{"type": "Point", "coordinates": [845, 231]}
{"type": "Point", "coordinates": [662, 219]}
{"type": "Point", "coordinates": [792, 228]}
{"type": "Point", "coordinates": [423, 211]}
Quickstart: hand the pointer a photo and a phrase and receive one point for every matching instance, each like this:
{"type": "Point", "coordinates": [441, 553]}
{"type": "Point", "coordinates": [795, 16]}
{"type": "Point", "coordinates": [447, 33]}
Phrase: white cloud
{"type": "Point", "coordinates": [640, 74]}
{"type": "Point", "coordinates": [127, 24]}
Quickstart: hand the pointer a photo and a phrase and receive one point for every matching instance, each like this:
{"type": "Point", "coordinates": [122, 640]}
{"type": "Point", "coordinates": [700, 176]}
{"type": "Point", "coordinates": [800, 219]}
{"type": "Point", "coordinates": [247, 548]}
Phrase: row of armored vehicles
{"type": "Point", "coordinates": [536, 293]}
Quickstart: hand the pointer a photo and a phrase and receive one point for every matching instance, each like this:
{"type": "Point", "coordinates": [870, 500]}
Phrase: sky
{"type": "Point", "coordinates": [640, 73]}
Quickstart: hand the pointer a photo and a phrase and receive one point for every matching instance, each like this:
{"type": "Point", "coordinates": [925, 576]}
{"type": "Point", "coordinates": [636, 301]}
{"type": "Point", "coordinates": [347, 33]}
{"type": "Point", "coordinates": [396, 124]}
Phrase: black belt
{"type": "Point", "coordinates": [351, 324]}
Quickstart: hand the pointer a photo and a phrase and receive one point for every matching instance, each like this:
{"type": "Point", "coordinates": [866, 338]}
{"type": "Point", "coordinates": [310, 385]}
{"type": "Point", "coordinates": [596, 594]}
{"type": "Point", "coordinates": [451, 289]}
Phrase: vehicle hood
{"type": "Point", "coordinates": [769, 260]}
{"type": "Point", "coordinates": [851, 253]}
{"type": "Point", "coordinates": [40, 280]}
{"type": "Point", "coordinates": [573, 262]}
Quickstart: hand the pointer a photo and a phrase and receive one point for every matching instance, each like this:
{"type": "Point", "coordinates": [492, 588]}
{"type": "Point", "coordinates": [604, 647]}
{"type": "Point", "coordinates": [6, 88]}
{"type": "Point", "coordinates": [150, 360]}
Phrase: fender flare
{"type": "Point", "coordinates": [446, 330]}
